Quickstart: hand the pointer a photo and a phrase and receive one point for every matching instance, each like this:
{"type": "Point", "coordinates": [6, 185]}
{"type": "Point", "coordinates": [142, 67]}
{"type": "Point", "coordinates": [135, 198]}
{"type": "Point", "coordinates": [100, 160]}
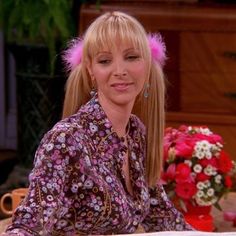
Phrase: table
{"type": "Point", "coordinates": [227, 204]}
{"type": "Point", "coordinates": [4, 223]}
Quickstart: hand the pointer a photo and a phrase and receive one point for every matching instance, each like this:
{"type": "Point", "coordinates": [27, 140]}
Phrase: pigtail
{"type": "Point", "coordinates": [77, 91]}
{"type": "Point", "coordinates": [152, 112]}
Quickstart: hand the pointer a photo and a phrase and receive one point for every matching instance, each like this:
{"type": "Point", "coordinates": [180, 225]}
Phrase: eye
{"type": "Point", "coordinates": [104, 61]}
{"type": "Point", "coordinates": [133, 57]}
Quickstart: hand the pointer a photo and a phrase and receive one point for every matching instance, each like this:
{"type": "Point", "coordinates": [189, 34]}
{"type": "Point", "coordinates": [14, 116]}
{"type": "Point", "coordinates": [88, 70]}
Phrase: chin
{"type": "Point", "coordinates": [124, 99]}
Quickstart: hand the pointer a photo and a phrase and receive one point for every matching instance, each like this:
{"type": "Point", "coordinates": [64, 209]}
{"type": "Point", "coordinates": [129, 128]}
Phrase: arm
{"type": "Point", "coordinates": [47, 179]}
{"type": "Point", "coordinates": [163, 216]}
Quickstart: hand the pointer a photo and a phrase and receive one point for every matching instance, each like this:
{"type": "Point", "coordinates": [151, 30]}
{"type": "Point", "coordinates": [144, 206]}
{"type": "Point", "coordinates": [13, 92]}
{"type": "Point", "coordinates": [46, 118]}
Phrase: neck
{"type": "Point", "coordinates": [118, 115]}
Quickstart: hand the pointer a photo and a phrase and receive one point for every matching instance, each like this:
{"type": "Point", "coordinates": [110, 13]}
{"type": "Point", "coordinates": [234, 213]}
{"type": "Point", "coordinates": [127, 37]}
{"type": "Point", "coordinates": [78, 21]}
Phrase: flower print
{"type": "Point", "coordinates": [88, 183]}
{"type": "Point", "coordinates": [93, 128]}
{"type": "Point", "coordinates": [61, 138]}
{"type": "Point", "coordinates": [44, 189]}
{"type": "Point", "coordinates": [50, 198]}
{"type": "Point", "coordinates": [49, 185]}
{"type": "Point", "coordinates": [87, 160]}
{"type": "Point", "coordinates": [61, 223]}
{"type": "Point", "coordinates": [101, 133]}
{"type": "Point", "coordinates": [49, 146]}
{"type": "Point", "coordinates": [79, 224]}
{"type": "Point", "coordinates": [96, 207]}
{"type": "Point", "coordinates": [108, 179]}
{"type": "Point", "coordinates": [48, 211]}
{"type": "Point", "coordinates": [74, 188]}
{"type": "Point", "coordinates": [133, 156]}
{"type": "Point", "coordinates": [33, 204]}
{"type": "Point", "coordinates": [153, 201]}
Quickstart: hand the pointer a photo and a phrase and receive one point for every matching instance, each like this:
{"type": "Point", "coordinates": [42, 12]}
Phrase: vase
{"type": "Point", "coordinates": [200, 217]}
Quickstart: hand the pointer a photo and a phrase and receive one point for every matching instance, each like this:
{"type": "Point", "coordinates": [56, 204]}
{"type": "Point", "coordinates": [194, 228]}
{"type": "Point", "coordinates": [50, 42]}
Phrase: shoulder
{"type": "Point", "coordinates": [65, 137]}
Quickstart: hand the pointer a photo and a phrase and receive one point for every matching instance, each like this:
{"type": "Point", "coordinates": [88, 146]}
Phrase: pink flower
{"type": "Point", "coordinates": [184, 149]}
{"type": "Point", "coordinates": [186, 190]}
{"type": "Point", "coordinates": [169, 174]}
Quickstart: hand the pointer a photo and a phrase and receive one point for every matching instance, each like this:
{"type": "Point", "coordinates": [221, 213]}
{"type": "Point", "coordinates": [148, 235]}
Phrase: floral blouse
{"type": "Point", "coordinates": [78, 187]}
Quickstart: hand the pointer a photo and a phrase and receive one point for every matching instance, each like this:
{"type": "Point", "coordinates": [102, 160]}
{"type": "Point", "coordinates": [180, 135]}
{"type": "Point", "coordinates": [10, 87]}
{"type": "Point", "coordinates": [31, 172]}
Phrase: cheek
{"type": "Point", "coordinates": [140, 73]}
{"type": "Point", "coordinates": [100, 75]}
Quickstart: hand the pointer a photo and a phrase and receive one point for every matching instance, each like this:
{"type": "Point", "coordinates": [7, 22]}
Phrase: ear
{"type": "Point", "coordinates": [89, 68]}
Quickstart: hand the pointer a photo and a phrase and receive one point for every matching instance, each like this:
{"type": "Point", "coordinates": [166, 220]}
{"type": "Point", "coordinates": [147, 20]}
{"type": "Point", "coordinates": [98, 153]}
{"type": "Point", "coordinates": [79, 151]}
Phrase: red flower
{"type": "Point", "coordinates": [202, 177]}
{"type": "Point", "coordinates": [182, 172]}
{"type": "Point", "coordinates": [183, 154]}
{"type": "Point", "coordinates": [228, 181]}
{"type": "Point", "coordinates": [186, 190]}
{"type": "Point", "coordinates": [205, 162]}
{"type": "Point", "coordinates": [224, 162]}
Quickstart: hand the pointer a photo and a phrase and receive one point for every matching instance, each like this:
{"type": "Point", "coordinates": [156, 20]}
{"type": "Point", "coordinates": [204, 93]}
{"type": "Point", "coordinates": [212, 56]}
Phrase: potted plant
{"type": "Point", "coordinates": [197, 172]}
{"type": "Point", "coordinates": [35, 32]}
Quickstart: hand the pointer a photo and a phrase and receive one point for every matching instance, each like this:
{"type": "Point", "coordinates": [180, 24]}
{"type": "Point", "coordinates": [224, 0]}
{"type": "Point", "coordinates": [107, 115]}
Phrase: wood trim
{"type": "Point", "coordinates": [194, 17]}
{"type": "Point", "coordinates": [201, 118]}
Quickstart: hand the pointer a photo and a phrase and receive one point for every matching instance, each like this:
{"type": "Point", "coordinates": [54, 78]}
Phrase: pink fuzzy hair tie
{"type": "Point", "coordinates": [73, 55]}
{"type": "Point", "coordinates": [158, 48]}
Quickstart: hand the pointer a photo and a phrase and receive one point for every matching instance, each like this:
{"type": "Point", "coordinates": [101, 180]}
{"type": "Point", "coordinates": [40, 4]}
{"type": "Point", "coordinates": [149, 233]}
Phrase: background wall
{"type": "Point", "coordinates": [8, 108]}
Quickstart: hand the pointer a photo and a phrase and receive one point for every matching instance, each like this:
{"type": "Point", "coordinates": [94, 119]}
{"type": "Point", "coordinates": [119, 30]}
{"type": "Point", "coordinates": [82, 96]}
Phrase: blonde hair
{"type": "Point", "coordinates": [103, 32]}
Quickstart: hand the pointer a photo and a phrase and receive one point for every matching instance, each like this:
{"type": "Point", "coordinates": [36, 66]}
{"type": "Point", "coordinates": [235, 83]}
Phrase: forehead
{"type": "Point", "coordinates": [113, 45]}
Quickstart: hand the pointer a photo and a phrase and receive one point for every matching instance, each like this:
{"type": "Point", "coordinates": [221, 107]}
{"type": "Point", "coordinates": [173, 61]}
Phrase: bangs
{"type": "Point", "coordinates": [113, 31]}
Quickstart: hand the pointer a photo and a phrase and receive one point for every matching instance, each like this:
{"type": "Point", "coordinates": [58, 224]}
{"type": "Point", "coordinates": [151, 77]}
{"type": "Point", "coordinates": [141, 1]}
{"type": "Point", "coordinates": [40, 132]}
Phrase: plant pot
{"type": "Point", "coordinates": [200, 217]}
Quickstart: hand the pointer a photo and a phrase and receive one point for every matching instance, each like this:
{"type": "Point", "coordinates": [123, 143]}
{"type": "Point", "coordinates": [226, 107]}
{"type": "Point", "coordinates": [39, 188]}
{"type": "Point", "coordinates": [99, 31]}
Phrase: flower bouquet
{"type": "Point", "coordinates": [197, 171]}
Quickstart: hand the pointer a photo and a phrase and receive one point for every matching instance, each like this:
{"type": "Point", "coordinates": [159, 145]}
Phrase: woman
{"type": "Point", "coordinates": [96, 171]}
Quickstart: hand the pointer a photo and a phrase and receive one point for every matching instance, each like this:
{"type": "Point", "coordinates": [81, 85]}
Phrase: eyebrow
{"type": "Point", "coordinates": [109, 52]}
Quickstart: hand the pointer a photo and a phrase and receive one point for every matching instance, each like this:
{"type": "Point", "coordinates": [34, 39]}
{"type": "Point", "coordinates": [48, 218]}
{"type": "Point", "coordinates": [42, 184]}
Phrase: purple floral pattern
{"type": "Point", "coordinates": [77, 185]}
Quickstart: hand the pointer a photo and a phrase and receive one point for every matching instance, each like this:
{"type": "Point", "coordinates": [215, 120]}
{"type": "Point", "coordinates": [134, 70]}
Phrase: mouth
{"type": "Point", "coordinates": [121, 86]}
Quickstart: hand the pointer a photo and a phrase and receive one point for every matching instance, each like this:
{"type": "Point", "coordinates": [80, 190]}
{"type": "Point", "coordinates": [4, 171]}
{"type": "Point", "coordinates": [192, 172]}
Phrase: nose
{"type": "Point", "coordinates": [119, 68]}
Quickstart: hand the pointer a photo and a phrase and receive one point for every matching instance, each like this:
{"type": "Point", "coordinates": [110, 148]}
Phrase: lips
{"type": "Point", "coordinates": [121, 86]}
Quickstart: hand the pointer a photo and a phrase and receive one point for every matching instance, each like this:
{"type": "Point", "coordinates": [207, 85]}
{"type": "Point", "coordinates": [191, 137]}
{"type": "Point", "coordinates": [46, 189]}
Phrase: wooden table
{"type": "Point", "coordinates": [228, 204]}
{"type": "Point", "coordinates": [4, 223]}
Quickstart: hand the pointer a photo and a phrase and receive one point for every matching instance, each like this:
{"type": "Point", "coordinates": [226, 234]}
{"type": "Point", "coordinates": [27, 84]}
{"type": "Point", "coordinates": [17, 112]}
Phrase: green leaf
{"type": "Point", "coordinates": [182, 205]}
{"type": "Point", "coordinates": [46, 22]}
{"type": "Point", "coordinates": [217, 206]}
